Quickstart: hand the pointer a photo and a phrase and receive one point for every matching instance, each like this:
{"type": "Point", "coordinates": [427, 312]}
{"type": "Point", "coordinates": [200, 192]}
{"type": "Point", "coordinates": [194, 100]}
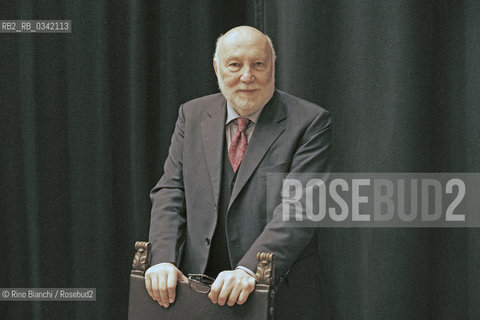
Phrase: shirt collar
{"type": "Point", "coordinates": [232, 114]}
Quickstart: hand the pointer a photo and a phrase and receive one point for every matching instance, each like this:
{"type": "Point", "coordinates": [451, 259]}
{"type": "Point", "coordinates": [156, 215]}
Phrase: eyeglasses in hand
{"type": "Point", "coordinates": [200, 282]}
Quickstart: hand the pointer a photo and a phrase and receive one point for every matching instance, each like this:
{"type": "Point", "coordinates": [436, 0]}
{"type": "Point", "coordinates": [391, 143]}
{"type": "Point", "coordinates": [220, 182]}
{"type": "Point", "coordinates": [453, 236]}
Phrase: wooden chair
{"type": "Point", "coordinates": [190, 304]}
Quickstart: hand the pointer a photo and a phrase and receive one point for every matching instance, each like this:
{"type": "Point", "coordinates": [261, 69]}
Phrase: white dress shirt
{"type": "Point", "coordinates": [232, 127]}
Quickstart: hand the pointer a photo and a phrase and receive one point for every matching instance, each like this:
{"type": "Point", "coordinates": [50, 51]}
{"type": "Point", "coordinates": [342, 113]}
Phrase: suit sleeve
{"type": "Point", "coordinates": [167, 222]}
{"type": "Point", "coordinates": [283, 238]}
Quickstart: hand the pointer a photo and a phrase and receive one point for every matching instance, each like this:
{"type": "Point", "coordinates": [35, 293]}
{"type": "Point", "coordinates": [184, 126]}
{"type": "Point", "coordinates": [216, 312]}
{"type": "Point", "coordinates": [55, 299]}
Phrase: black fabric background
{"type": "Point", "coordinates": [86, 120]}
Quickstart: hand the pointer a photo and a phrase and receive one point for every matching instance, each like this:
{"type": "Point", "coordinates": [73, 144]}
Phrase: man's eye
{"type": "Point", "coordinates": [259, 64]}
{"type": "Point", "coordinates": [234, 64]}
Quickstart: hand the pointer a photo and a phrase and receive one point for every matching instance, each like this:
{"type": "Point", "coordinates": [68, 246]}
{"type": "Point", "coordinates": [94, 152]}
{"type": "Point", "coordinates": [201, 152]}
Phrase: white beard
{"type": "Point", "coordinates": [245, 106]}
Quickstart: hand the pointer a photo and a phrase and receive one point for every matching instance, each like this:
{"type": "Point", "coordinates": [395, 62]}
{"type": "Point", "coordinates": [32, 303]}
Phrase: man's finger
{"type": "Point", "coordinates": [154, 284]}
{"type": "Point", "coordinates": [182, 277]}
{"type": "Point", "coordinates": [243, 296]}
{"type": "Point", "coordinates": [233, 296]}
{"type": "Point", "coordinates": [148, 286]}
{"type": "Point", "coordinates": [215, 289]}
{"type": "Point", "coordinates": [224, 293]}
{"type": "Point", "coordinates": [162, 288]}
{"type": "Point", "coordinates": [171, 286]}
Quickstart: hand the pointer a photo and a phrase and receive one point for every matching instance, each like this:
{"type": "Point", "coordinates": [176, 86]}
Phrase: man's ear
{"type": "Point", "coordinates": [215, 67]}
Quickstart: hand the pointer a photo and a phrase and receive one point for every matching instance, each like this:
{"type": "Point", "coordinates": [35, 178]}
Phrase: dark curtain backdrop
{"type": "Point", "coordinates": [86, 120]}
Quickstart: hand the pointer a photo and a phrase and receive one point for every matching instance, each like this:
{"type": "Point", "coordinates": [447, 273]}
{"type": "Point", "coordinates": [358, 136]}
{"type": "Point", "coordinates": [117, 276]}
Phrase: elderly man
{"type": "Point", "coordinates": [210, 208]}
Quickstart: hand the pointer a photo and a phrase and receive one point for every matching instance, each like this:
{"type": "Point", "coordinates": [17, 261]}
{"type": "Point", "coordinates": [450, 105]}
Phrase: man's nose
{"type": "Point", "coordinates": [247, 75]}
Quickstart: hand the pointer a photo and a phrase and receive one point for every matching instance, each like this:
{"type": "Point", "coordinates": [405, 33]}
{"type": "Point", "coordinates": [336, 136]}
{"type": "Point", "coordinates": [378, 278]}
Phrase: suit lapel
{"type": "Point", "coordinates": [266, 132]}
{"type": "Point", "coordinates": [213, 133]}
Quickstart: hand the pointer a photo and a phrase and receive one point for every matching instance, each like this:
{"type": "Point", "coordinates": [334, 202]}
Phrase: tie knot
{"type": "Point", "coordinates": [242, 124]}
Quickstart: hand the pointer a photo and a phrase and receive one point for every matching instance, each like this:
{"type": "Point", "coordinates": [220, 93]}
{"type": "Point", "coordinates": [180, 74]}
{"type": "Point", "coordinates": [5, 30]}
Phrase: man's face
{"type": "Point", "coordinates": [245, 71]}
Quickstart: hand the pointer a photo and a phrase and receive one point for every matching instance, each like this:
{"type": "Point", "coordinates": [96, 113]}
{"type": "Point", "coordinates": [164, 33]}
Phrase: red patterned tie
{"type": "Point", "coordinates": [239, 144]}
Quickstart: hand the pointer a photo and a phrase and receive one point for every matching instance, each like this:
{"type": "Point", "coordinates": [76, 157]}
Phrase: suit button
{"type": "Point", "coordinates": [207, 241]}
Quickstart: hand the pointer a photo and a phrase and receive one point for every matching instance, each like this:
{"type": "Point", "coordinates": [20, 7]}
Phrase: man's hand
{"type": "Point", "coordinates": [161, 282]}
{"type": "Point", "coordinates": [232, 287]}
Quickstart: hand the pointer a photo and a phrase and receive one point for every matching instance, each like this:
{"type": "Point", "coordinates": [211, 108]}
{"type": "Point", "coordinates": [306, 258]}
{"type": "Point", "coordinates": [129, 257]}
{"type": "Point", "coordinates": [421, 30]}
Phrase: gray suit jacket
{"type": "Point", "coordinates": [292, 135]}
